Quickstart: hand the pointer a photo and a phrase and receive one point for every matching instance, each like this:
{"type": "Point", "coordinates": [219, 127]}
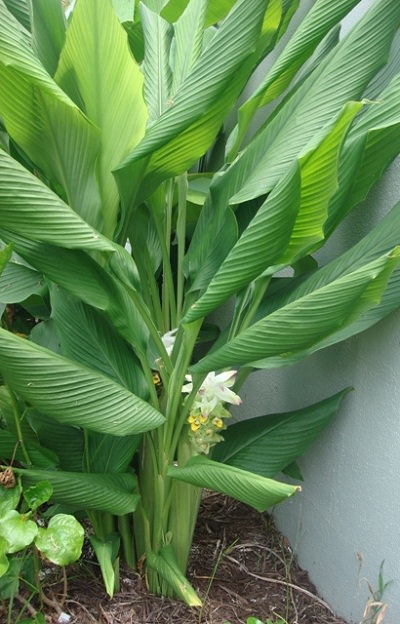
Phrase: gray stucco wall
{"type": "Point", "coordinates": [346, 520]}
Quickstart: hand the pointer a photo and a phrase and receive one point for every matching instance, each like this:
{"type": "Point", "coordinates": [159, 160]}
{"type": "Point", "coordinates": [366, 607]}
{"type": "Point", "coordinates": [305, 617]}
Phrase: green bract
{"type": "Point", "coordinates": [137, 197]}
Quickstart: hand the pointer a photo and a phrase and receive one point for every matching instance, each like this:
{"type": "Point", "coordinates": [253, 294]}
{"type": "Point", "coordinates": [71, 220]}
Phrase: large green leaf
{"type": "Point", "coordinates": [154, 5]}
{"type": "Point", "coordinates": [80, 275]}
{"type": "Point", "coordinates": [262, 244]}
{"type": "Point", "coordinates": [66, 442]}
{"type": "Point", "coordinates": [40, 456]}
{"type": "Point", "coordinates": [87, 337]}
{"type": "Point", "coordinates": [188, 127]}
{"type": "Point", "coordinates": [74, 270]}
{"type": "Point", "coordinates": [249, 488]}
{"type": "Point", "coordinates": [18, 282]}
{"type": "Point", "coordinates": [48, 42]}
{"type": "Point", "coordinates": [124, 9]}
{"type": "Point", "coordinates": [319, 181]}
{"type": "Point", "coordinates": [108, 453]}
{"type": "Point", "coordinates": [71, 393]}
{"type": "Point", "coordinates": [320, 53]}
{"type": "Point", "coordinates": [31, 209]}
{"type": "Point", "coordinates": [222, 245]}
{"type": "Point", "coordinates": [188, 40]}
{"type": "Point", "coordinates": [216, 10]}
{"type": "Point", "coordinates": [308, 319]}
{"type": "Point", "coordinates": [45, 334]}
{"type": "Point", "coordinates": [34, 452]}
{"type": "Point", "coordinates": [45, 123]}
{"type": "Point", "coordinates": [115, 493]}
{"type": "Point", "coordinates": [146, 248]}
{"type": "Point", "coordinates": [288, 225]}
{"type": "Point", "coordinates": [268, 444]}
{"type": "Point", "coordinates": [383, 78]}
{"type": "Point", "coordinates": [9, 406]}
{"type": "Point", "coordinates": [343, 75]}
{"type": "Point", "coordinates": [100, 74]}
{"type": "Point", "coordinates": [5, 257]}
{"type": "Point", "coordinates": [322, 16]}
{"type": "Point", "coordinates": [378, 241]}
{"type": "Point", "coordinates": [156, 65]}
{"type": "Point", "coordinates": [372, 144]}
{"type": "Point", "coordinates": [20, 10]}
{"type": "Point", "coordinates": [389, 303]}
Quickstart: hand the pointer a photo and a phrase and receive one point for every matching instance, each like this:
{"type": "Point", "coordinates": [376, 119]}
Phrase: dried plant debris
{"type": "Point", "coordinates": [240, 565]}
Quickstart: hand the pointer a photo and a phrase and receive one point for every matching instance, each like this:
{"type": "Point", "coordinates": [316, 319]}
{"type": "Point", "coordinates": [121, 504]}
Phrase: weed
{"type": "Point", "coordinates": [375, 609]}
{"type": "Point", "coordinates": [221, 554]}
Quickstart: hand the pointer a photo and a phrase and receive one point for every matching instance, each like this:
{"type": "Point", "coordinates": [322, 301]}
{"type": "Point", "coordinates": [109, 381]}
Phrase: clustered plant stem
{"type": "Point", "coordinates": [168, 506]}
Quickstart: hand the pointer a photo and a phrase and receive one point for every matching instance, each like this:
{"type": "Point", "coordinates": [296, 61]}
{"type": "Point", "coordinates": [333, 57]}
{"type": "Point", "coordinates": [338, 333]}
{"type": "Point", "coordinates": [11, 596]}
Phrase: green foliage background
{"type": "Point", "coordinates": [131, 205]}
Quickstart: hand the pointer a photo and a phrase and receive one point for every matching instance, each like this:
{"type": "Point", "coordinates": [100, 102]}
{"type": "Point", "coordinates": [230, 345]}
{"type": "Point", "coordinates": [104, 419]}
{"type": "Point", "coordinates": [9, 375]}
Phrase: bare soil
{"type": "Point", "coordinates": [240, 565]}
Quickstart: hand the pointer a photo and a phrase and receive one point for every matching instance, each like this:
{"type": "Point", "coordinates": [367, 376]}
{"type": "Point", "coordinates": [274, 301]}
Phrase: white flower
{"type": "Point", "coordinates": [168, 340]}
{"type": "Point", "coordinates": [214, 390]}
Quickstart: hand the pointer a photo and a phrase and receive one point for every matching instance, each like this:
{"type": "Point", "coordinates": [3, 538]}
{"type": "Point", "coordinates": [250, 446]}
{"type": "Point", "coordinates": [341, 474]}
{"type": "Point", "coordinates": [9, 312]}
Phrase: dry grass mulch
{"type": "Point", "coordinates": [240, 565]}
